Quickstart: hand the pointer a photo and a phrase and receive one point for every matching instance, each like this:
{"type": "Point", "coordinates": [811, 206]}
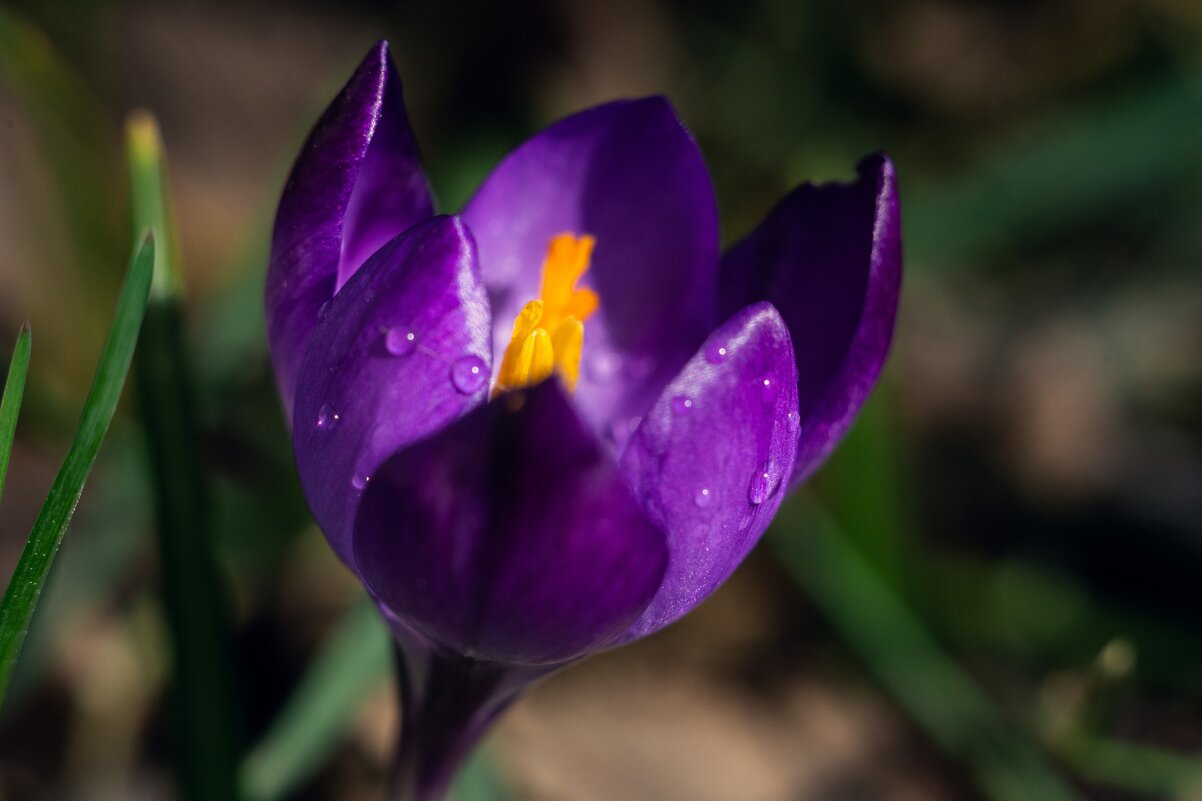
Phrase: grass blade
{"type": "Point", "coordinates": [478, 780]}
{"type": "Point", "coordinates": [74, 132]}
{"type": "Point", "coordinates": [1140, 769]}
{"type": "Point", "coordinates": [1049, 181]}
{"type": "Point", "coordinates": [148, 195]}
{"type": "Point", "coordinates": [204, 715]}
{"type": "Point", "coordinates": [357, 659]}
{"type": "Point", "coordinates": [34, 565]}
{"type": "Point", "coordinates": [10, 403]}
{"type": "Point", "coordinates": [894, 644]}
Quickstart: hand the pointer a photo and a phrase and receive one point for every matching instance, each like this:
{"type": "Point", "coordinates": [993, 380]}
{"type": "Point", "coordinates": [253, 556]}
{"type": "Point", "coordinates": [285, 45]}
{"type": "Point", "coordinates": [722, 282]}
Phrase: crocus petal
{"type": "Point", "coordinates": [509, 536]}
{"type": "Point", "coordinates": [357, 183]}
{"type": "Point", "coordinates": [366, 388]}
{"type": "Point", "coordinates": [710, 459]}
{"type": "Point", "coordinates": [829, 257]}
{"type": "Point", "coordinates": [629, 174]}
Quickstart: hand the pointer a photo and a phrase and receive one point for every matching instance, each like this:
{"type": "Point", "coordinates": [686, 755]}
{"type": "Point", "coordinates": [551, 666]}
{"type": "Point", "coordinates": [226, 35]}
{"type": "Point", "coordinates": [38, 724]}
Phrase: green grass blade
{"type": "Point", "coordinates": [34, 565]}
{"type": "Point", "coordinates": [203, 711]}
{"type": "Point", "coordinates": [74, 130]}
{"type": "Point", "coordinates": [357, 659]}
{"type": "Point", "coordinates": [895, 645]}
{"type": "Point", "coordinates": [10, 403]}
{"type": "Point", "coordinates": [148, 195]}
{"type": "Point", "coordinates": [478, 780]}
{"type": "Point", "coordinates": [1049, 180]}
{"type": "Point", "coordinates": [1140, 769]}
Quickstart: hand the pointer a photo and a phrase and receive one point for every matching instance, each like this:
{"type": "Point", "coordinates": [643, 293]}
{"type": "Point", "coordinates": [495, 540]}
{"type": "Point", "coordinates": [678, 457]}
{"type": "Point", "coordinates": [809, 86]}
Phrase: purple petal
{"type": "Point", "coordinates": [710, 459]}
{"type": "Point", "coordinates": [829, 258]}
{"type": "Point", "coordinates": [629, 174]}
{"type": "Point", "coordinates": [357, 183]}
{"type": "Point", "coordinates": [366, 388]}
{"type": "Point", "coordinates": [509, 536]}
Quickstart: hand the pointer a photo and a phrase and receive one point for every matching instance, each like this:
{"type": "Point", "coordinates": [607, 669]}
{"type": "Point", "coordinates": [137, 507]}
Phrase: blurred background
{"type": "Point", "coordinates": [991, 591]}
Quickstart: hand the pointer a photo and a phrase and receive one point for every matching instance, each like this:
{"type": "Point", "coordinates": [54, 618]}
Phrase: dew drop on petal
{"type": "Point", "coordinates": [770, 389]}
{"type": "Point", "coordinates": [760, 487]}
{"type": "Point", "coordinates": [682, 404]}
{"type": "Point", "coordinates": [400, 341]}
{"type": "Point", "coordinates": [793, 421]}
{"type": "Point", "coordinates": [715, 353]}
{"type": "Point", "coordinates": [703, 497]}
{"type": "Point", "coordinates": [327, 417]}
{"type": "Point", "coordinates": [360, 482]}
{"type": "Point", "coordinates": [468, 374]}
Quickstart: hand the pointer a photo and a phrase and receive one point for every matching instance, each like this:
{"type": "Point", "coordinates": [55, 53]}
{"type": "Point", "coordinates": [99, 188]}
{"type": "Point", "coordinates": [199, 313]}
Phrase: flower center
{"type": "Point", "coordinates": [549, 331]}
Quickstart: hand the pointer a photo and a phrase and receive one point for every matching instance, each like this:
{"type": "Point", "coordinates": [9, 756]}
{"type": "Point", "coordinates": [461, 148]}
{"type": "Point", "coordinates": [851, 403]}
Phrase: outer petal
{"type": "Point", "coordinates": [710, 459]}
{"type": "Point", "coordinates": [829, 257]}
{"type": "Point", "coordinates": [510, 536]}
{"type": "Point", "coordinates": [357, 183]}
{"type": "Point", "coordinates": [365, 389]}
{"type": "Point", "coordinates": [631, 175]}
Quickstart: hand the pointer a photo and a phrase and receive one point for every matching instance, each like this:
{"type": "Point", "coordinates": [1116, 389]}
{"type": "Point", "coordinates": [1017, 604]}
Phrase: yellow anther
{"type": "Point", "coordinates": [548, 334]}
{"type": "Point", "coordinates": [568, 340]}
{"type": "Point", "coordinates": [525, 324]}
{"type": "Point", "coordinates": [537, 361]}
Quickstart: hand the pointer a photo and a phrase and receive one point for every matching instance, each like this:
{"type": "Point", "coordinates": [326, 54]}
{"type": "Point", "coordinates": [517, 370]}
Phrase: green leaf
{"type": "Point", "coordinates": [203, 710]}
{"type": "Point", "coordinates": [896, 646]}
{"type": "Point", "coordinates": [357, 659]}
{"type": "Point", "coordinates": [34, 565]}
{"type": "Point", "coordinates": [10, 403]}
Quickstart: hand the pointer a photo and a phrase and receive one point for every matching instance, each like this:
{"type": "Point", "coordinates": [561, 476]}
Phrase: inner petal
{"type": "Point", "coordinates": [629, 174]}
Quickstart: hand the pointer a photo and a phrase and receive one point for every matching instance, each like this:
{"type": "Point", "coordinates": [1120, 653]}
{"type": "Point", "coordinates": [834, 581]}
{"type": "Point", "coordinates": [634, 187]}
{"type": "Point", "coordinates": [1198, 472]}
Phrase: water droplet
{"type": "Point", "coordinates": [324, 311]}
{"type": "Point", "coordinates": [770, 389]}
{"type": "Point", "coordinates": [715, 353]}
{"type": "Point", "coordinates": [327, 417]}
{"type": "Point", "coordinates": [682, 404]}
{"type": "Point", "coordinates": [703, 497]}
{"type": "Point", "coordinates": [760, 487]}
{"type": "Point", "coordinates": [793, 421]}
{"type": "Point", "coordinates": [400, 341]}
{"type": "Point", "coordinates": [468, 374]}
{"type": "Point", "coordinates": [360, 482]}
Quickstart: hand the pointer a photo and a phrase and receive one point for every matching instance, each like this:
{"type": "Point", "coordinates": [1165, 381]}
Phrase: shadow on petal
{"type": "Point", "coordinates": [509, 536]}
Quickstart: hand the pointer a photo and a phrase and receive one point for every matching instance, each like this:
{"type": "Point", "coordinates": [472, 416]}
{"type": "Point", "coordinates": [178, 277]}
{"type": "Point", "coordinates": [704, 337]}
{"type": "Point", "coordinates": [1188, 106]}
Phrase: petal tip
{"type": "Point", "coordinates": [759, 315]}
{"type": "Point", "coordinates": [879, 170]}
{"type": "Point", "coordinates": [377, 62]}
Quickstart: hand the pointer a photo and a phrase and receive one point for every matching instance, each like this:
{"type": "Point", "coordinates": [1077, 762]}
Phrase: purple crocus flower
{"type": "Point", "coordinates": [557, 421]}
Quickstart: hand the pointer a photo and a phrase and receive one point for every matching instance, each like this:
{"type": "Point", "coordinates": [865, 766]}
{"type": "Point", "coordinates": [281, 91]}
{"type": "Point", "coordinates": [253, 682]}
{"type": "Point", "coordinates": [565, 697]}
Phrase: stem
{"type": "Point", "coordinates": [447, 703]}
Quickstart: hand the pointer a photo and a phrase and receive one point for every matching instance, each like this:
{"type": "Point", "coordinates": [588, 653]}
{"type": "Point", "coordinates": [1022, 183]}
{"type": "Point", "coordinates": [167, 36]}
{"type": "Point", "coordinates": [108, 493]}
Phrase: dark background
{"type": "Point", "coordinates": [996, 578]}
